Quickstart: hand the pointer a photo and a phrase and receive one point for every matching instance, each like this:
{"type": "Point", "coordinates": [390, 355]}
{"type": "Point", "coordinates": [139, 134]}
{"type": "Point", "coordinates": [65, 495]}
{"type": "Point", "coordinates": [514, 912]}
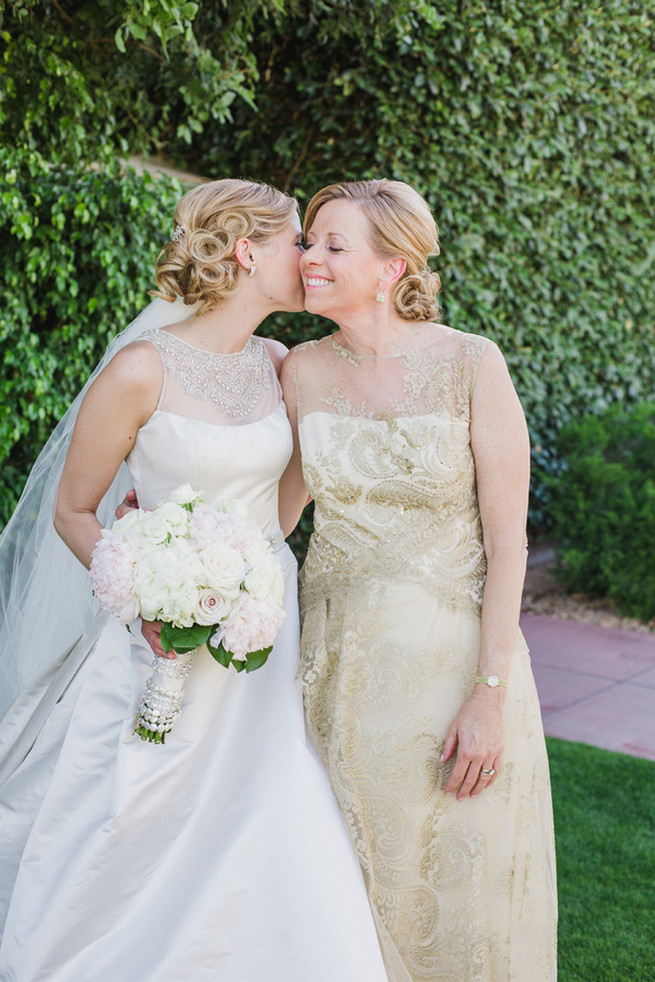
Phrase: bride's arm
{"type": "Point", "coordinates": [293, 494]}
{"type": "Point", "coordinates": [121, 399]}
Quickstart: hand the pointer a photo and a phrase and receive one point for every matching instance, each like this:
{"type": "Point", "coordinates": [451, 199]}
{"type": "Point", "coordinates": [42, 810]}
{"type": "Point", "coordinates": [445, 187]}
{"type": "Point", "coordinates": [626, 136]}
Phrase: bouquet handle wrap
{"type": "Point", "coordinates": [160, 703]}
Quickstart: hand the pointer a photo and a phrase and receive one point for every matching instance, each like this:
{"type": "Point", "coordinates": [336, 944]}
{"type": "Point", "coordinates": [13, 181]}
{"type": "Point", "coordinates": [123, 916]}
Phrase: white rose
{"type": "Point", "coordinates": [167, 584]}
{"type": "Point", "coordinates": [259, 551]}
{"type": "Point", "coordinates": [185, 495]}
{"type": "Point", "coordinates": [265, 581]}
{"type": "Point", "coordinates": [131, 522]}
{"type": "Point", "coordinates": [211, 607]}
{"type": "Point", "coordinates": [166, 520]}
{"type": "Point", "coordinates": [223, 569]}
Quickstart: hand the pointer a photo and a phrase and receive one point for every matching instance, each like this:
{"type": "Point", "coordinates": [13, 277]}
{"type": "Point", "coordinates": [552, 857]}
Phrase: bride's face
{"type": "Point", "coordinates": [278, 272]}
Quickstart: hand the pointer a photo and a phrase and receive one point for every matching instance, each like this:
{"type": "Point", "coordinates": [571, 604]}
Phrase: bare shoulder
{"type": "Point", "coordinates": [138, 357]}
{"type": "Point", "coordinates": [494, 394]}
{"type": "Point", "coordinates": [492, 360]}
{"type": "Point", "coordinates": [277, 352]}
{"type": "Point", "coordinates": [136, 369]}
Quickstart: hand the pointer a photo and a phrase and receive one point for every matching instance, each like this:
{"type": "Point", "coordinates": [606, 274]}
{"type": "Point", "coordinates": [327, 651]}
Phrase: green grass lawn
{"type": "Point", "coordinates": [604, 807]}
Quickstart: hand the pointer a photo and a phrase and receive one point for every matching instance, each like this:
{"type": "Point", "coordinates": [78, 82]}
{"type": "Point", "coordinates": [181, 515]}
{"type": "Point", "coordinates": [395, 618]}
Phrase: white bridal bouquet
{"type": "Point", "coordinates": [208, 573]}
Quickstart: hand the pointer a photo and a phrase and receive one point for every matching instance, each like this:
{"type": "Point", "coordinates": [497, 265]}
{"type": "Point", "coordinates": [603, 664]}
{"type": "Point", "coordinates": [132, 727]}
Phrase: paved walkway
{"type": "Point", "coordinates": [596, 684]}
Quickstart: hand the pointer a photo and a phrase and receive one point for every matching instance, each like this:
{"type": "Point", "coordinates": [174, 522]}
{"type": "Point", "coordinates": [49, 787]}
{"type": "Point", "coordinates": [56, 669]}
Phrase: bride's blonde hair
{"type": "Point", "coordinates": [199, 263]}
{"type": "Point", "coordinates": [400, 224]}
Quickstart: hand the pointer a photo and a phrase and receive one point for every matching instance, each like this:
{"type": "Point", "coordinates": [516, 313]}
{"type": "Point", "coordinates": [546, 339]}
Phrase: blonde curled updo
{"type": "Point", "coordinates": [400, 224]}
{"type": "Point", "coordinates": [199, 263]}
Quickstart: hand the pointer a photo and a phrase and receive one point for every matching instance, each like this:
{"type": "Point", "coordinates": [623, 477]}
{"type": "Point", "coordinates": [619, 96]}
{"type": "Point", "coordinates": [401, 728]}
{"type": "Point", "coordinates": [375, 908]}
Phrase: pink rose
{"type": "Point", "coordinates": [250, 626]}
{"type": "Point", "coordinates": [204, 526]}
{"type": "Point", "coordinates": [113, 575]}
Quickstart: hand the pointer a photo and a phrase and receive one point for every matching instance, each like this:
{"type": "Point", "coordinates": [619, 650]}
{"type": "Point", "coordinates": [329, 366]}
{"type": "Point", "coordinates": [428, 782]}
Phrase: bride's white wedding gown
{"type": "Point", "coordinates": [221, 855]}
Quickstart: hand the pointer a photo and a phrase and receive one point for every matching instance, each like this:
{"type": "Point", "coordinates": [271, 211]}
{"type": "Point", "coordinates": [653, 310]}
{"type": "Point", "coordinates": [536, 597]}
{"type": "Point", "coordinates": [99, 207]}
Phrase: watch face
{"type": "Point", "coordinates": [492, 680]}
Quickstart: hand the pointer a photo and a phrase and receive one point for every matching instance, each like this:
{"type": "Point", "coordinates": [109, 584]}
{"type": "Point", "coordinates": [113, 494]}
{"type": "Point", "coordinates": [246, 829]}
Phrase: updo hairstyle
{"type": "Point", "coordinates": [199, 263]}
{"type": "Point", "coordinates": [400, 224]}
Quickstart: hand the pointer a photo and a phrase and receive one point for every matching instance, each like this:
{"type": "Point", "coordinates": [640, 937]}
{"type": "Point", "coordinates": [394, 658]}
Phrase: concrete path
{"type": "Point", "coordinates": [596, 684]}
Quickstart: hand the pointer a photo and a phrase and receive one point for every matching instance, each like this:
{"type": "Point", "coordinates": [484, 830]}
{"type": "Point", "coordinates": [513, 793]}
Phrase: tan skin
{"type": "Point", "coordinates": [342, 276]}
{"type": "Point", "coordinates": [126, 393]}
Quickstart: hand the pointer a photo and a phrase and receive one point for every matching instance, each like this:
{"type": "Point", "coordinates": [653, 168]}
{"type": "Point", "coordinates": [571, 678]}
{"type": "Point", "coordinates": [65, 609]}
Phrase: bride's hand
{"type": "Point", "coordinates": [151, 631]}
{"type": "Point", "coordinates": [128, 504]}
{"type": "Point", "coordinates": [478, 734]}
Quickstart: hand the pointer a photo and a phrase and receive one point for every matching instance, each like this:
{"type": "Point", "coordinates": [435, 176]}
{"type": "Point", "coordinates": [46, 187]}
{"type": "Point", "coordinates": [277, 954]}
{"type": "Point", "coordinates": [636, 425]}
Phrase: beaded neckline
{"type": "Point", "coordinates": [234, 381]}
{"type": "Point", "coordinates": [182, 343]}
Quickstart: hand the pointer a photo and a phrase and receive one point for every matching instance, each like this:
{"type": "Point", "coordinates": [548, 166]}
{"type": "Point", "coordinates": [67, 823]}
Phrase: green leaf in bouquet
{"type": "Point", "coordinates": [257, 658]}
{"type": "Point", "coordinates": [222, 656]}
{"type": "Point", "coordinates": [184, 639]}
{"type": "Point", "coordinates": [252, 661]}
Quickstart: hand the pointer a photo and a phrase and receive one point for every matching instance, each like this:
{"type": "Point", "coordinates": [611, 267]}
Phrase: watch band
{"type": "Point", "coordinates": [491, 680]}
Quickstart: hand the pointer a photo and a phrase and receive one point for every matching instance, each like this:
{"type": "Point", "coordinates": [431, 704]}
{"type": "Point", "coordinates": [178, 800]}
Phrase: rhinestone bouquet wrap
{"type": "Point", "coordinates": [207, 574]}
{"type": "Point", "coordinates": [162, 698]}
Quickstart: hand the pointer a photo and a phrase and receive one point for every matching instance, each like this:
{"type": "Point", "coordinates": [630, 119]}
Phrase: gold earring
{"type": "Point", "coordinates": [380, 296]}
{"type": "Point", "coordinates": [252, 270]}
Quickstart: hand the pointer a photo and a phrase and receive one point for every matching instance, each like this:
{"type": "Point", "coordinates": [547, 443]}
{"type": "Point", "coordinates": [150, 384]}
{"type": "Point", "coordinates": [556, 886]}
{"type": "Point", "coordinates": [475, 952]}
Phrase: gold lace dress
{"type": "Point", "coordinates": [462, 891]}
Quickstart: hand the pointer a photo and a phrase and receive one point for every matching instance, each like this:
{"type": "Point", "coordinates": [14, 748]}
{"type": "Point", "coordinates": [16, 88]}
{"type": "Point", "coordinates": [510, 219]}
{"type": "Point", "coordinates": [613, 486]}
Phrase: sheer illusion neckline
{"type": "Point", "coordinates": [354, 356]}
{"type": "Point", "coordinates": [236, 382]}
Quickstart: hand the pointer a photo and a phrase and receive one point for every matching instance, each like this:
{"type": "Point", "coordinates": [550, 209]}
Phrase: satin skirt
{"type": "Point", "coordinates": [221, 855]}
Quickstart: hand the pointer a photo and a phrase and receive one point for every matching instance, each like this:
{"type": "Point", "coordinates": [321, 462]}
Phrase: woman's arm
{"type": "Point", "coordinates": [501, 449]}
{"type": "Point", "coordinates": [120, 400]}
{"type": "Point", "coordinates": [500, 445]}
{"type": "Point", "coordinates": [293, 494]}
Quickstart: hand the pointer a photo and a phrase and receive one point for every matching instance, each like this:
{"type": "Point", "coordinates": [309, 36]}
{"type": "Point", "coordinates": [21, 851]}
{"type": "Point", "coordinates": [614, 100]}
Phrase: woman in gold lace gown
{"type": "Point", "coordinates": [417, 681]}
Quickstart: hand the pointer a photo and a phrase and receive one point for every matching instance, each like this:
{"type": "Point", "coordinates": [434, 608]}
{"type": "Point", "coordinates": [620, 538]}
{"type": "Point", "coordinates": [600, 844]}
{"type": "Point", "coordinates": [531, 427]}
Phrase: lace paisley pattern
{"type": "Point", "coordinates": [391, 594]}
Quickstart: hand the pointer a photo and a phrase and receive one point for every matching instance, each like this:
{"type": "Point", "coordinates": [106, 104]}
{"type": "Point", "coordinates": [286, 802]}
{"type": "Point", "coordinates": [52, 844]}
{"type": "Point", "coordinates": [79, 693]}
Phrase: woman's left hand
{"type": "Point", "coordinates": [128, 504]}
{"type": "Point", "coordinates": [478, 735]}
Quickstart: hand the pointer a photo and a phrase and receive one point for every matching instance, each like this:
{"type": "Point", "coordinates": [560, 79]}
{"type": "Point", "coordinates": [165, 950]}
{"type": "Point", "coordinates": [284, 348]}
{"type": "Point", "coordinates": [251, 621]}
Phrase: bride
{"type": "Point", "coordinates": [221, 855]}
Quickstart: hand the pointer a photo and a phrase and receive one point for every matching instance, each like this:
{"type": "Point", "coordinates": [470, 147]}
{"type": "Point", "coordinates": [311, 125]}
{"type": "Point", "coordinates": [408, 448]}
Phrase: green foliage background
{"type": "Point", "coordinates": [77, 249]}
{"type": "Point", "coordinates": [603, 507]}
{"type": "Point", "coordinates": [529, 128]}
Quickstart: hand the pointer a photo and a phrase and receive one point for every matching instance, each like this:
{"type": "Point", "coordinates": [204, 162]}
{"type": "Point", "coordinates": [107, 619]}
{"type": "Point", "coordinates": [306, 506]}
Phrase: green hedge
{"type": "Point", "coordinates": [78, 249]}
{"type": "Point", "coordinates": [603, 506]}
{"type": "Point", "coordinates": [530, 129]}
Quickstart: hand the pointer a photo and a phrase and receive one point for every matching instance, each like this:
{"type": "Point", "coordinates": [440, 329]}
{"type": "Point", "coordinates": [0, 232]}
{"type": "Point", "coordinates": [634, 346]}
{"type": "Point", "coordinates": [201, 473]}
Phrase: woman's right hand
{"type": "Point", "coordinates": [151, 631]}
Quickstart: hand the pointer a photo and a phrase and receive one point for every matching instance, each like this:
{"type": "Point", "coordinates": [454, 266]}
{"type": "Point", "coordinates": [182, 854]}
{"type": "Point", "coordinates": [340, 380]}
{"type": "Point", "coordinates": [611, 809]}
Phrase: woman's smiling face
{"type": "Point", "coordinates": [340, 270]}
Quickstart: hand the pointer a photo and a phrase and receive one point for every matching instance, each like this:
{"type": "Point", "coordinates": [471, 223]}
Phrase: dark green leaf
{"type": "Point", "coordinates": [256, 659]}
{"type": "Point", "coordinates": [184, 639]}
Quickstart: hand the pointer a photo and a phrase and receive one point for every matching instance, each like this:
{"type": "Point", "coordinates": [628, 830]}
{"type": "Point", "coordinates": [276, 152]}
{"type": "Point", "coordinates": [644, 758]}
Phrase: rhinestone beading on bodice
{"type": "Point", "coordinates": [235, 382]}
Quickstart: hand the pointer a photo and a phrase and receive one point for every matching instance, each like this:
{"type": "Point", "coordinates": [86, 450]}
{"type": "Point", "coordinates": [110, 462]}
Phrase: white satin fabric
{"type": "Point", "coordinates": [221, 855]}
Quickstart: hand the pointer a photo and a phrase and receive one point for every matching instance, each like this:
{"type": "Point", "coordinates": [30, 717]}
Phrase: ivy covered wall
{"type": "Point", "coordinates": [529, 128]}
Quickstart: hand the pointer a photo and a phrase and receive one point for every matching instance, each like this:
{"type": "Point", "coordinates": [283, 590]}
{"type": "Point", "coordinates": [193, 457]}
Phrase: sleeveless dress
{"type": "Point", "coordinates": [221, 855]}
{"type": "Point", "coordinates": [391, 592]}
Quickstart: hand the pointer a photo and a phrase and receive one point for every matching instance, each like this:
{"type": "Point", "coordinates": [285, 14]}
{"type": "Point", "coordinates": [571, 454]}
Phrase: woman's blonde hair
{"type": "Point", "coordinates": [199, 263]}
{"type": "Point", "coordinates": [400, 224]}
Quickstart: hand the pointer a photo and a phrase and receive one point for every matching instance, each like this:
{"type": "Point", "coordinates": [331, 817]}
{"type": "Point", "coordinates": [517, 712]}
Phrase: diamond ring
{"type": "Point", "coordinates": [488, 770]}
